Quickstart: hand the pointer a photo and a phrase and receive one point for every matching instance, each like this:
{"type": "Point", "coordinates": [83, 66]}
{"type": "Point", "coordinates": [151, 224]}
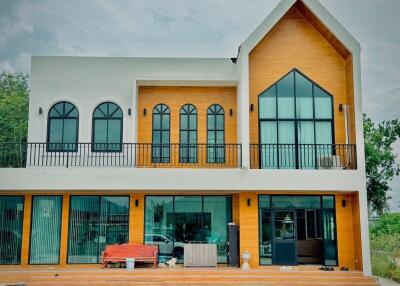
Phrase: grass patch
{"type": "Point", "coordinates": [385, 247]}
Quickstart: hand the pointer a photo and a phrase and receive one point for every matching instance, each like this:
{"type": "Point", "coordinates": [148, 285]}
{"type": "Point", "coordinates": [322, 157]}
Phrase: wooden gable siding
{"type": "Point", "coordinates": [295, 42]}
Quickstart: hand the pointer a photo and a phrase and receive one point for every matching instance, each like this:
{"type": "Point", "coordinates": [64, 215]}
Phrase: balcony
{"type": "Point", "coordinates": [303, 156]}
{"type": "Point", "coordinates": [139, 155]}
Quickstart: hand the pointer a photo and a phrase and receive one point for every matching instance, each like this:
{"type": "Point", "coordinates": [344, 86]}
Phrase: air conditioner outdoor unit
{"type": "Point", "coordinates": [330, 162]}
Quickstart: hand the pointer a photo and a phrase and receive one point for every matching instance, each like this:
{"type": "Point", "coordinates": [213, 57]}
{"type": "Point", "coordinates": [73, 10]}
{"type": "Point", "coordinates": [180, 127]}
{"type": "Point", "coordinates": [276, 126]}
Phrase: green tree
{"type": "Point", "coordinates": [14, 94]}
{"type": "Point", "coordinates": [381, 162]}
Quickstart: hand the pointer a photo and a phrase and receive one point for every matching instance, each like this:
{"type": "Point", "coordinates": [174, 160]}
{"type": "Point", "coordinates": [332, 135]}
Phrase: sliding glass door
{"type": "Point", "coordinates": [172, 221]}
{"type": "Point", "coordinates": [11, 219]}
{"type": "Point", "coordinates": [45, 230]}
{"type": "Point", "coordinates": [188, 222]}
{"type": "Point", "coordinates": [297, 230]}
{"type": "Point", "coordinates": [94, 222]}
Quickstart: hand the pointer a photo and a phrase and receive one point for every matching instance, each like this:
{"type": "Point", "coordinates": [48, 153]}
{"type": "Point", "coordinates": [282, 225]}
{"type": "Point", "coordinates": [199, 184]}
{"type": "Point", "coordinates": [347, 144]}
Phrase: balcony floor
{"type": "Point", "coordinates": [94, 275]}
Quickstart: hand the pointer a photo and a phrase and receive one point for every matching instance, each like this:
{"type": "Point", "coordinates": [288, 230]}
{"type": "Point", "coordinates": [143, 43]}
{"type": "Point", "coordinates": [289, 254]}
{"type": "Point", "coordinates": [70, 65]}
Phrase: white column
{"type": "Point", "coordinates": [134, 115]}
{"type": "Point", "coordinates": [366, 255]}
{"type": "Point", "coordinates": [133, 119]}
{"type": "Point", "coordinates": [362, 195]}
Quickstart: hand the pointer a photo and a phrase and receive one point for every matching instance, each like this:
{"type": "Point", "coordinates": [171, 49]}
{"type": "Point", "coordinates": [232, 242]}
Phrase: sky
{"type": "Point", "coordinates": [194, 28]}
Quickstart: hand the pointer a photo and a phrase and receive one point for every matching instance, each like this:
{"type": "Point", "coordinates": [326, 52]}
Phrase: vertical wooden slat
{"type": "Point", "coordinates": [26, 229]}
{"type": "Point", "coordinates": [357, 232]}
{"type": "Point", "coordinates": [136, 219]}
{"type": "Point", "coordinates": [64, 230]}
{"type": "Point", "coordinates": [248, 223]}
{"type": "Point", "coordinates": [344, 223]}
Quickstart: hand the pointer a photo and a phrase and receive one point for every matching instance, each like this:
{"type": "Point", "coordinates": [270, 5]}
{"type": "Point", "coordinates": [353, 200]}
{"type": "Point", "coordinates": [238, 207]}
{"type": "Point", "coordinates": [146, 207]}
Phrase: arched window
{"type": "Point", "coordinates": [215, 134]}
{"type": "Point", "coordinates": [295, 123]}
{"type": "Point", "coordinates": [107, 128]}
{"type": "Point", "coordinates": [62, 127]}
{"type": "Point", "coordinates": [161, 134]}
{"type": "Point", "coordinates": [188, 134]}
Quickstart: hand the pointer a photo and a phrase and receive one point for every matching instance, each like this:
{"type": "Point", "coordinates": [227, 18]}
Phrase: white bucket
{"type": "Point", "coordinates": [130, 263]}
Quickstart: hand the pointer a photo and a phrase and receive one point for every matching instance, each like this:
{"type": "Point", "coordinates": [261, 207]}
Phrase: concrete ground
{"type": "Point", "coordinates": [386, 282]}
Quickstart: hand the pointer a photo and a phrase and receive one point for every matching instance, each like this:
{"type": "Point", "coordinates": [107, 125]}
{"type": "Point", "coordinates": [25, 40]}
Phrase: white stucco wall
{"type": "Point", "coordinates": [88, 81]}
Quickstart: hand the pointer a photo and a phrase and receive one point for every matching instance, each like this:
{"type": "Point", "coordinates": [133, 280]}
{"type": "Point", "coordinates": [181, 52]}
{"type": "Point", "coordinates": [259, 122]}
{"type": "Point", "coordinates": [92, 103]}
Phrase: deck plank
{"type": "Point", "coordinates": [94, 275]}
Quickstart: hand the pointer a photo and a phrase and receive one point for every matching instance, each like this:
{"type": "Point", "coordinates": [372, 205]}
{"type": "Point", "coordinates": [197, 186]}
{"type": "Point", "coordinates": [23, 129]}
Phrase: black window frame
{"type": "Point", "coordinates": [107, 117]}
{"type": "Point", "coordinates": [295, 118]}
{"type": "Point", "coordinates": [62, 147]}
{"type": "Point", "coordinates": [162, 109]}
{"type": "Point", "coordinates": [214, 110]}
{"type": "Point", "coordinates": [185, 111]}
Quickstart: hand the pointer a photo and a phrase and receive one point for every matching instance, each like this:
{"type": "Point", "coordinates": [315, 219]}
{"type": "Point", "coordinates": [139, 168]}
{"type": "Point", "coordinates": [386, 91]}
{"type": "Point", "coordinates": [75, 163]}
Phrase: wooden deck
{"type": "Point", "coordinates": [93, 275]}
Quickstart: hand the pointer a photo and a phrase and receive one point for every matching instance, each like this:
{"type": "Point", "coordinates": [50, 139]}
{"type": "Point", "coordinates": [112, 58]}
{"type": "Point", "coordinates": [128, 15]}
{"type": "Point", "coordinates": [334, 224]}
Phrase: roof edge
{"type": "Point", "coordinates": [336, 28]}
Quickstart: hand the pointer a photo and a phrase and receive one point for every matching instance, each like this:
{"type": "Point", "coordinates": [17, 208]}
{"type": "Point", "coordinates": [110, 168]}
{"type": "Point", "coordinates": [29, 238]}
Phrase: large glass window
{"type": "Point", "coordinates": [45, 230]}
{"type": "Point", "coordinates": [94, 222]}
{"type": "Point", "coordinates": [159, 227]}
{"type": "Point", "coordinates": [62, 127]}
{"type": "Point", "coordinates": [188, 134]}
{"type": "Point", "coordinates": [296, 123]}
{"type": "Point", "coordinates": [161, 134]}
{"type": "Point", "coordinates": [215, 134]}
{"type": "Point", "coordinates": [11, 218]}
{"type": "Point", "coordinates": [107, 127]}
{"type": "Point", "coordinates": [217, 214]}
{"type": "Point", "coordinates": [172, 221]}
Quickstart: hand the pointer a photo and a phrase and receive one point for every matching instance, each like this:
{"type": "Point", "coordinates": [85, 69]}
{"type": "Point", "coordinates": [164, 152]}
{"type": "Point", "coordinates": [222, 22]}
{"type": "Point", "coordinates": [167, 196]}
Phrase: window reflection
{"type": "Point", "coordinates": [172, 221]}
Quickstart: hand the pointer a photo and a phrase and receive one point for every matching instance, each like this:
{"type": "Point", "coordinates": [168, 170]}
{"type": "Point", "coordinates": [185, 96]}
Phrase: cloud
{"type": "Point", "coordinates": [127, 28]}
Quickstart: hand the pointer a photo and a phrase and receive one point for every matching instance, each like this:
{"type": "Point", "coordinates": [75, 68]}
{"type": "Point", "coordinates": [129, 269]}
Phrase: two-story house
{"type": "Point", "coordinates": [169, 151]}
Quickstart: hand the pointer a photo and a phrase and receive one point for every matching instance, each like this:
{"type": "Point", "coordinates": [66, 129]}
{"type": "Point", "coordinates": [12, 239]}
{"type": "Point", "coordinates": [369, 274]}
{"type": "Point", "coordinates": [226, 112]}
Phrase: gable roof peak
{"type": "Point", "coordinates": [317, 10]}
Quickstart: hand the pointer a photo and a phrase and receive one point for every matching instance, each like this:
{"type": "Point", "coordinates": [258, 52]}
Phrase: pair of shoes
{"type": "Point", "coordinates": [324, 268]}
{"type": "Point", "coordinates": [344, 268]}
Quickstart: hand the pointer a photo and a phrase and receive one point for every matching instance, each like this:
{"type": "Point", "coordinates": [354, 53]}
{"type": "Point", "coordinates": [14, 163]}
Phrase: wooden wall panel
{"type": "Point", "coordinates": [357, 232]}
{"type": "Point", "coordinates": [345, 234]}
{"type": "Point", "coordinates": [64, 229]}
{"type": "Point", "coordinates": [26, 230]}
{"type": "Point", "coordinates": [175, 97]}
{"type": "Point", "coordinates": [248, 226]}
{"type": "Point", "coordinates": [136, 219]}
{"type": "Point", "coordinates": [295, 43]}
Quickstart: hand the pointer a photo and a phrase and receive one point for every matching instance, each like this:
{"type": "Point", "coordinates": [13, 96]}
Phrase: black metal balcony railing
{"type": "Point", "coordinates": [20, 155]}
{"type": "Point", "coordinates": [303, 156]}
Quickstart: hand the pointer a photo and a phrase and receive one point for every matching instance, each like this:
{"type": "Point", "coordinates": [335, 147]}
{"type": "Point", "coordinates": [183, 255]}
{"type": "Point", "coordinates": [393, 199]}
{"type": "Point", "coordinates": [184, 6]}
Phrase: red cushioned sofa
{"type": "Point", "coordinates": [119, 253]}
